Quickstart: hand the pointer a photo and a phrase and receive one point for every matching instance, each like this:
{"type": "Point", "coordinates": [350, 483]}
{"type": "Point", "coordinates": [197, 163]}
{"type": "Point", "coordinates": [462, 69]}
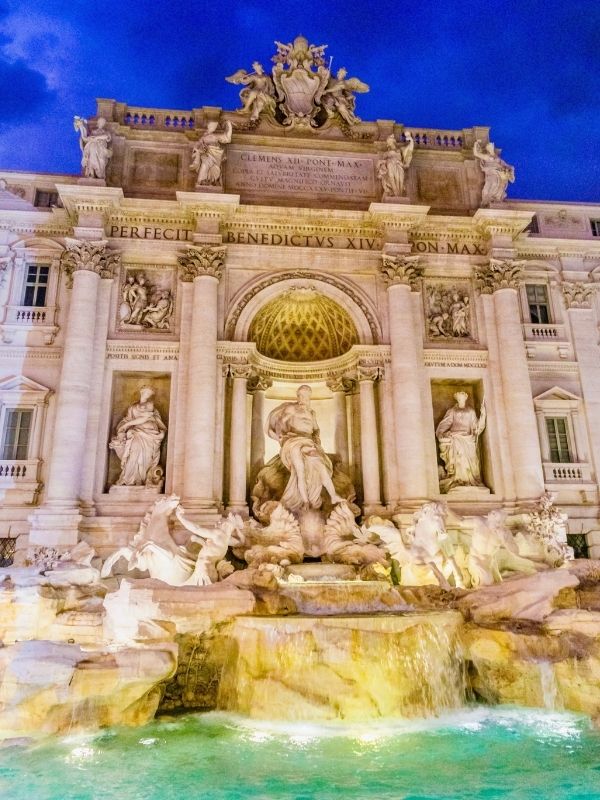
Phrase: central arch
{"type": "Point", "coordinates": [251, 299]}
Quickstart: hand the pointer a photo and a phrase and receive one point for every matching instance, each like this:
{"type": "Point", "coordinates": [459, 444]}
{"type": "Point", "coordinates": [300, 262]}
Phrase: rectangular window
{"type": "Point", "coordinates": [45, 199]}
{"type": "Point", "coordinates": [560, 452]}
{"type": "Point", "coordinates": [36, 285]}
{"type": "Point", "coordinates": [15, 436]}
{"type": "Point", "coordinates": [537, 299]}
{"type": "Point", "coordinates": [595, 223]}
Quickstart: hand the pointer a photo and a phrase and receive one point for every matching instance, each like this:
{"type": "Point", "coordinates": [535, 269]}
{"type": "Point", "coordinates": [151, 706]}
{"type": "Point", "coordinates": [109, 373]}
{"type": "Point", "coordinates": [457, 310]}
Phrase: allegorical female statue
{"type": "Point", "coordinates": [497, 173]}
{"type": "Point", "coordinates": [209, 154]}
{"type": "Point", "coordinates": [137, 441]}
{"type": "Point", "coordinates": [458, 434]}
{"type": "Point", "coordinates": [294, 426]}
{"type": "Point", "coordinates": [95, 149]}
{"type": "Point", "coordinates": [392, 167]}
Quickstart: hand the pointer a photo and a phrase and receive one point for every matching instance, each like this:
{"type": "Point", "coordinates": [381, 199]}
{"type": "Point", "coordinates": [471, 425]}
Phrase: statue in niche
{"type": "Point", "coordinates": [458, 436]}
{"type": "Point", "coordinates": [137, 441]}
{"type": "Point", "coordinates": [391, 169]}
{"type": "Point", "coordinates": [208, 154]}
{"type": "Point", "coordinates": [258, 94]}
{"type": "Point", "coordinates": [294, 426]}
{"type": "Point", "coordinates": [95, 147]}
{"type": "Point", "coordinates": [448, 312]}
{"type": "Point", "coordinates": [497, 173]}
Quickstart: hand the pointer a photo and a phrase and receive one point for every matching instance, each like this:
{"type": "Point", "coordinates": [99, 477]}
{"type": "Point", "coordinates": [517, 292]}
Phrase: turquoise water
{"type": "Point", "coordinates": [478, 753]}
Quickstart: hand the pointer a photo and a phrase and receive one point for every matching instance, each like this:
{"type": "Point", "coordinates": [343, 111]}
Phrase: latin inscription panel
{"type": "Point", "coordinates": [278, 173]}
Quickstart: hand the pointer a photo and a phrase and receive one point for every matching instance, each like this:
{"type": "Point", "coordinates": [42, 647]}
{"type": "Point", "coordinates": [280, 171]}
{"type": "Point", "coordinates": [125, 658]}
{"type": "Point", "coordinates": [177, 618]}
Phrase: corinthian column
{"type": "Point", "coordinates": [502, 277]}
{"type": "Point", "coordinates": [257, 387]}
{"type": "Point", "coordinates": [339, 386]}
{"type": "Point", "coordinates": [203, 266]}
{"type": "Point", "coordinates": [401, 274]}
{"type": "Point", "coordinates": [85, 263]}
{"type": "Point", "coordinates": [578, 299]}
{"type": "Point", "coordinates": [369, 439]}
{"type": "Point", "coordinates": [238, 432]}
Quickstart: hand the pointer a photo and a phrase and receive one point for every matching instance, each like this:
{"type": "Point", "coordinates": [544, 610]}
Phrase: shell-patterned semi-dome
{"type": "Point", "coordinates": [302, 325]}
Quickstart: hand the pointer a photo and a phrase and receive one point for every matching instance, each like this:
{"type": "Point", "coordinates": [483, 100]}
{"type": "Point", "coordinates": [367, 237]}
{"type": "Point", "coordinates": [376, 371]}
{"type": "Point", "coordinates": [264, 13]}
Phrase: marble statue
{"type": "Point", "coordinates": [301, 90]}
{"type": "Point", "coordinates": [258, 94]}
{"type": "Point", "coordinates": [95, 147]}
{"type": "Point", "coordinates": [448, 312]}
{"type": "Point", "coordinates": [154, 550]}
{"type": "Point", "coordinates": [493, 551]}
{"type": "Point", "coordinates": [137, 441]}
{"type": "Point", "coordinates": [280, 542]}
{"type": "Point", "coordinates": [544, 535]}
{"type": "Point", "coordinates": [338, 96]}
{"type": "Point", "coordinates": [391, 169]}
{"type": "Point", "coordinates": [458, 436]}
{"type": "Point", "coordinates": [294, 426]}
{"type": "Point", "coordinates": [346, 543]}
{"type": "Point", "coordinates": [497, 173]}
{"type": "Point", "coordinates": [209, 154]}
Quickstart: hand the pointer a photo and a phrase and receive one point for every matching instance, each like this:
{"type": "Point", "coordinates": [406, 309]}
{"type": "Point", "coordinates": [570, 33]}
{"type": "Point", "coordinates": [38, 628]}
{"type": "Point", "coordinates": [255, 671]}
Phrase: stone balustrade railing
{"type": "Point", "coordinates": [29, 315]}
{"type": "Point", "coordinates": [540, 333]}
{"type": "Point", "coordinates": [11, 471]}
{"type": "Point", "coordinates": [567, 473]}
{"type": "Point", "coordinates": [138, 117]}
{"type": "Point", "coordinates": [431, 138]}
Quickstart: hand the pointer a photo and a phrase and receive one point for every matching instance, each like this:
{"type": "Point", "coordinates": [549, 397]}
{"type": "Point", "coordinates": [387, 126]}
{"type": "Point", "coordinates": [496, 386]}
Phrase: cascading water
{"type": "Point", "coordinates": [353, 668]}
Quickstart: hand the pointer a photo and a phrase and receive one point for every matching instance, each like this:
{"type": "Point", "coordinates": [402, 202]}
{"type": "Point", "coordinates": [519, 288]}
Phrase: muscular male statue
{"type": "Point", "coordinates": [294, 426]}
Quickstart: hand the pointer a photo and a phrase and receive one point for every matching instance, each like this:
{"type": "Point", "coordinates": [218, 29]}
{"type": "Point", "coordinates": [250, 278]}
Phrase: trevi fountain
{"type": "Point", "coordinates": [299, 464]}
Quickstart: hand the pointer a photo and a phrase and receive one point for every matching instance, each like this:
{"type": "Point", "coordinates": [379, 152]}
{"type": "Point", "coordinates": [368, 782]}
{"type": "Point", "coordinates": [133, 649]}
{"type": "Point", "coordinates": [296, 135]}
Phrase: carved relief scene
{"type": "Point", "coordinates": [449, 311]}
{"type": "Point", "coordinates": [146, 300]}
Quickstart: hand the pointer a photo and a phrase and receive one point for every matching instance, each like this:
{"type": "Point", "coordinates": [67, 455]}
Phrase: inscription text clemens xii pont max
{"type": "Point", "coordinates": [252, 171]}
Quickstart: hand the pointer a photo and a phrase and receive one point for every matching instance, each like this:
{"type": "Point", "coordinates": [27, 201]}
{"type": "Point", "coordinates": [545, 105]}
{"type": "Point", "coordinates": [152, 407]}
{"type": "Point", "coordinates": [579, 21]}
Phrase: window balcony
{"type": "Point", "coordinates": [19, 482]}
{"type": "Point", "coordinates": [21, 320]}
{"type": "Point", "coordinates": [567, 473]}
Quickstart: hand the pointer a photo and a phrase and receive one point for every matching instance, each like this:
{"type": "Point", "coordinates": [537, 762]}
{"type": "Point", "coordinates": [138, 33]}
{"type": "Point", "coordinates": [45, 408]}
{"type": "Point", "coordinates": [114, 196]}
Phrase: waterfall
{"type": "Point", "coordinates": [549, 686]}
{"type": "Point", "coordinates": [353, 667]}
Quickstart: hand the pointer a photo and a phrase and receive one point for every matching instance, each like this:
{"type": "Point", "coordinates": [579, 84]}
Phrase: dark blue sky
{"type": "Point", "coordinates": [530, 70]}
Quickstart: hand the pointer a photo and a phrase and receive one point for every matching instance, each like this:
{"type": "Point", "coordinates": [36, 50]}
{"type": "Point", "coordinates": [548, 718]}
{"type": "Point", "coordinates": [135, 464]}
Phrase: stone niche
{"type": "Point", "coordinates": [125, 392]}
{"type": "Point", "coordinates": [442, 394]}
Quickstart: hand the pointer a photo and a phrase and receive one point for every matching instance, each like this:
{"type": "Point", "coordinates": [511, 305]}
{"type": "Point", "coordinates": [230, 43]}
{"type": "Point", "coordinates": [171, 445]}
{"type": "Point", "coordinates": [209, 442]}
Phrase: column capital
{"type": "Point", "coordinates": [577, 294]}
{"type": "Point", "coordinates": [258, 383]}
{"type": "Point", "coordinates": [90, 256]}
{"type": "Point", "coordinates": [200, 261]}
{"type": "Point", "coordinates": [339, 383]}
{"type": "Point", "coordinates": [239, 371]}
{"type": "Point", "coordinates": [367, 371]}
{"type": "Point", "coordinates": [499, 274]}
{"type": "Point", "coordinates": [401, 270]}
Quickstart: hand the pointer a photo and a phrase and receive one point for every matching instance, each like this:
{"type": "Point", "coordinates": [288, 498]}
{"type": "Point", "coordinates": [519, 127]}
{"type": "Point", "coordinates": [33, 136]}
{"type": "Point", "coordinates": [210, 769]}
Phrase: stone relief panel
{"type": "Point", "coordinates": [449, 311]}
{"type": "Point", "coordinates": [460, 424]}
{"type": "Point", "coordinates": [155, 170]}
{"type": "Point", "coordinates": [440, 188]}
{"type": "Point", "coordinates": [146, 299]}
{"type": "Point", "coordinates": [138, 430]}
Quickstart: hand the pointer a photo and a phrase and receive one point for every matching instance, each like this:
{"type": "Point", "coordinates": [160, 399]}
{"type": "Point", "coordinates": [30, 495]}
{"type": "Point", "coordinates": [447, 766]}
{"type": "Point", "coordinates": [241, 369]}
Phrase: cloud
{"type": "Point", "coordinates": [24, 92]}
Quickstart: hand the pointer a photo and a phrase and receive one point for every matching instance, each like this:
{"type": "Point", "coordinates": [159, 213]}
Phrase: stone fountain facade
{"type": "Point", "coordinates": [292, 336]}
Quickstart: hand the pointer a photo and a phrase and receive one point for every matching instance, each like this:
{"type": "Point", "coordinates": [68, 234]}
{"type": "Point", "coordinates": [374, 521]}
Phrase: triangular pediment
{"type": "Point", "coordinates": [556, 393]}
{"type": "Point", "coordinates": [19, 383]}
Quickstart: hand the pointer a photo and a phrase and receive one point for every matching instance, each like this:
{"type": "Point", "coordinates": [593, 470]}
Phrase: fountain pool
{"type": "Point", "coordinates": [475, 753]}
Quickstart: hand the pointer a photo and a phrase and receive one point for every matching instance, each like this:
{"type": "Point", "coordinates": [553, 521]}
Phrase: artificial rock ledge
{"type": "Point", "coordinates": [116, 653]}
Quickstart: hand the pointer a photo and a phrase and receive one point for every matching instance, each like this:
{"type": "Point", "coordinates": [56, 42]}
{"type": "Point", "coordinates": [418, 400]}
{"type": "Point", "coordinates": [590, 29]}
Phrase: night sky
{"type": "Point", "coordinates": [530, 70]}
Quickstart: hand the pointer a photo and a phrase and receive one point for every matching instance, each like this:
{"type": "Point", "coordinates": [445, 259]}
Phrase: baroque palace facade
{"type": "Point", "coordinates": [208, 263]}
